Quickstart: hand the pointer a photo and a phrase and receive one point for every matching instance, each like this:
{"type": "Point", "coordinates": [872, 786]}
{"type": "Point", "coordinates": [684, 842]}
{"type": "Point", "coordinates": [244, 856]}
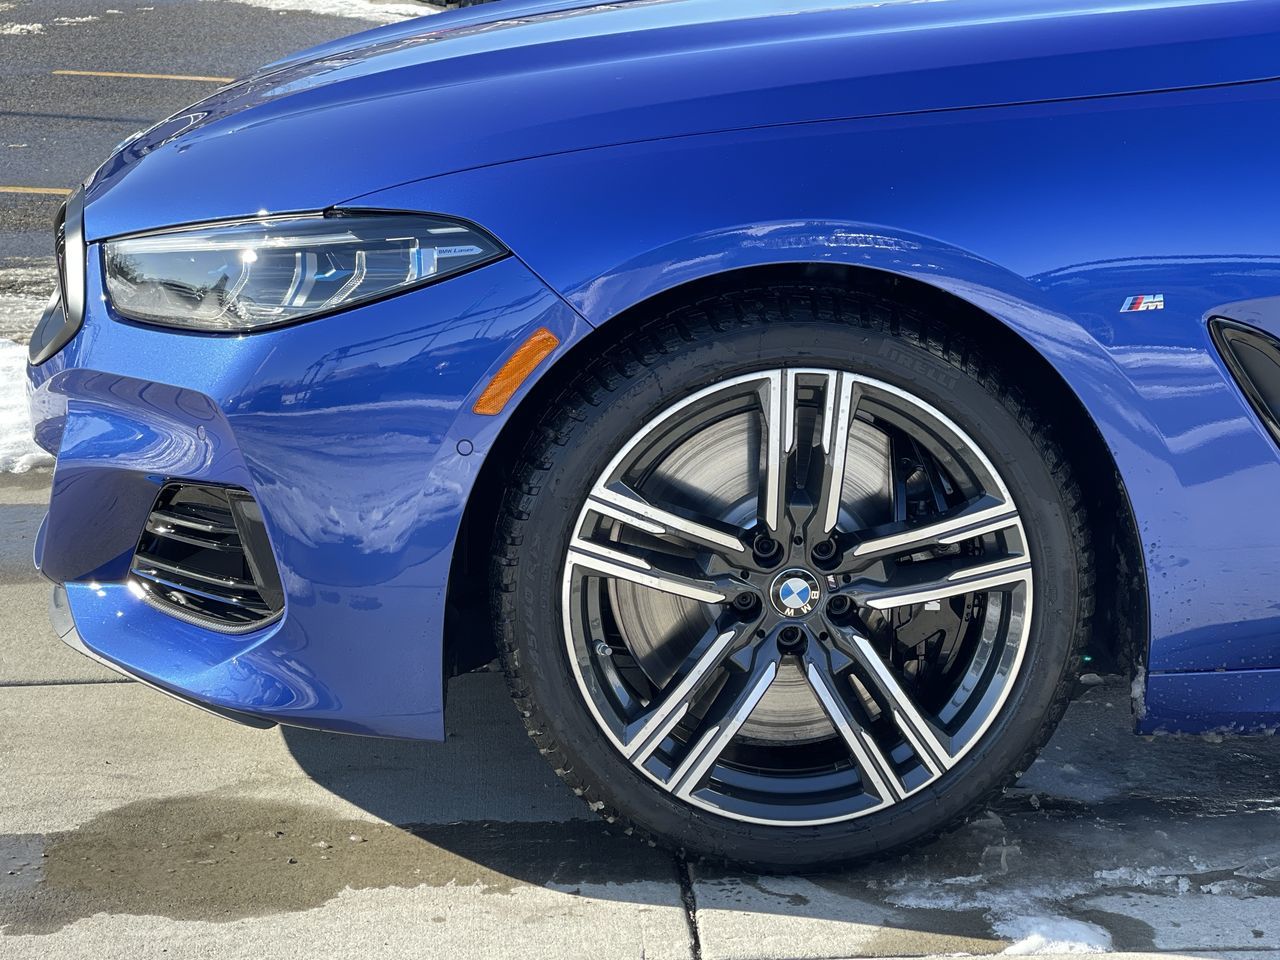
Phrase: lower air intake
{"type": "Point", "coordinates": [204, 557]}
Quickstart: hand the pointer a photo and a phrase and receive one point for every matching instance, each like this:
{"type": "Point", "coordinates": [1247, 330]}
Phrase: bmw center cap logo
{"type": "Point", "coordinates": [795, 592]}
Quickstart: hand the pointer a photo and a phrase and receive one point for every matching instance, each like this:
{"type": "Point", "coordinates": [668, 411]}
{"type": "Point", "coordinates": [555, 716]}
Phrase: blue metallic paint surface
{"type": "Point", "coordinates": [346, 431]}
{"type": "Point", "coordinates": [1055, 267]}
{"type": "Point", "coordinates": [441, 96]}
{"type": "Point", "coordinates": [619, 152]}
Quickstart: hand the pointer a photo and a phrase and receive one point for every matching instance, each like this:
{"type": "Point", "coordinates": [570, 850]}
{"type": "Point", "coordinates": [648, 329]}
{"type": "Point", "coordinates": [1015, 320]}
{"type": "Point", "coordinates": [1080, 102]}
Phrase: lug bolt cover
{"type": "Point", "coordinates": [765, 546]}
{"type": "Point", "coordinates": [790, 640]}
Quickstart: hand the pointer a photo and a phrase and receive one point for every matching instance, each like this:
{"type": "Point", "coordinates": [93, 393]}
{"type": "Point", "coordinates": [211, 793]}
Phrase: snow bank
{"type": "Point", "coordinates": [24, 291]}
{"type": "Point", "coordinates": [358, 9]}
{"type": "Point", "coordinates": [18, 452]}
{"type": "Point", "coordinates": [1049, 934]}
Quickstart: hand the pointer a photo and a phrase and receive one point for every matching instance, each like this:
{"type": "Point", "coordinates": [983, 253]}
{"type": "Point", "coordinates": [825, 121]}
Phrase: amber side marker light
{"type": "Point", "coordinates": [515, 371]}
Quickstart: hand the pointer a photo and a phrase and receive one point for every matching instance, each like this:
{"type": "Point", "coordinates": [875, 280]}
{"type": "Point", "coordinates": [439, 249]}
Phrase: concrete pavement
{"type": "Point", "coordinates": [133, 825]}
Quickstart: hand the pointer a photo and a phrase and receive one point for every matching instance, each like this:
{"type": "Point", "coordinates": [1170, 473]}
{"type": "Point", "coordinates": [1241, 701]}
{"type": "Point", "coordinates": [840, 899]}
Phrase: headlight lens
{"type": "Point", "coordinates": [250, 274]}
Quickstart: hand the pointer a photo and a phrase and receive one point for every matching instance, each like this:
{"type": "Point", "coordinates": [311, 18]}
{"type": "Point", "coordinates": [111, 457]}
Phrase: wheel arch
{"type": "Point", "coordinates": [1121, 626]}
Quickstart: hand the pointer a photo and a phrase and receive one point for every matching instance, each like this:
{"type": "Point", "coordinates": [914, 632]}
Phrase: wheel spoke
{"type": "Point", "coordinates": [612, 562]}
{"type": "Point", "coordinates": [875, 768]}
{"type": "Point", "coordinates": [691, 680]}
{"type": "Point", "coordinates": [934, 580]}
{"type": "Point", "coordinates": [986, 514]}
{"type": "Point", "coordinates": [619, 502]}
{"type": "Point", "coordinates": [779, 415]}
{"type": "Point", "coordinates": [918, 731]}
{"type": "Point", "coordinates": [728, 713]}
{"type": "Point", "coordinates": [840, 403]}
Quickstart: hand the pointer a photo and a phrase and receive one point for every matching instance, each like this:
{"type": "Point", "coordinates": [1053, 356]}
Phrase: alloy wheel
{"type": "Point", "coordinates": [797, 596]}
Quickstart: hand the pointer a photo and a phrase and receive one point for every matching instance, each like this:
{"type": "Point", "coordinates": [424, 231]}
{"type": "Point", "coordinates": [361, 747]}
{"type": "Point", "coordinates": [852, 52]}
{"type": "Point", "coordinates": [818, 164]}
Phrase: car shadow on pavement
{"type": "Point", "coordinates": [18, 525]}
{"type": "Point", "coordinates": [1163, 843]}
{"type": "Point", "coordinates": [485, 795]}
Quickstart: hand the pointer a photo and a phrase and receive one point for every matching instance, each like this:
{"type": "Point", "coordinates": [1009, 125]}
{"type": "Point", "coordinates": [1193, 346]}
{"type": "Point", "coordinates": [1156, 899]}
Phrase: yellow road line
{"type": "Point", "coordinates": [51, 191]}
{"type": "Point", "coordinates": [142, 76]}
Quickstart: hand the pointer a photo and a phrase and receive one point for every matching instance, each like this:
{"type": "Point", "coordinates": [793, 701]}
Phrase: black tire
{"type": "Point", "coordinates": [705, 343]}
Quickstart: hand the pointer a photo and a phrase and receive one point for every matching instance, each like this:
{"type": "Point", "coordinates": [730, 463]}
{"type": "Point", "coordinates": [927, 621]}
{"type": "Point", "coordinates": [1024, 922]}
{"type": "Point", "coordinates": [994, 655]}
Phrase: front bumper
{"type": "Point", "coordinates": [64, 626]}
{"type": "Point", "coordinates": [347, 430]}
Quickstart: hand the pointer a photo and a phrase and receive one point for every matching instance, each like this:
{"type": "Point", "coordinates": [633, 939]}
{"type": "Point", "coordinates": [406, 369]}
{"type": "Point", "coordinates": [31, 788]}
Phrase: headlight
{"type": "Point", "coordinates": [249, 274]}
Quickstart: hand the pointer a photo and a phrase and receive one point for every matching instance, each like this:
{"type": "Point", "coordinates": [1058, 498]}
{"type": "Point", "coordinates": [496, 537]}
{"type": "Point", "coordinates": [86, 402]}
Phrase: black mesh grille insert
{"type": "Point", "coordinates": [204, 556]}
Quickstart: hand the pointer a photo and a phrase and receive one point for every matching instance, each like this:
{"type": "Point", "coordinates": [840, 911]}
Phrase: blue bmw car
{"type": "Point", "coordinates": [791, 395]}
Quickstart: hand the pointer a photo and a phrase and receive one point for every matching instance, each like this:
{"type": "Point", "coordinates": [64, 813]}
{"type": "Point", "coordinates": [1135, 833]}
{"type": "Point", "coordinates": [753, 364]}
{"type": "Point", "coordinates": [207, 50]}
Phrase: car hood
{"type": "Point", "coordinates": [515, 80]}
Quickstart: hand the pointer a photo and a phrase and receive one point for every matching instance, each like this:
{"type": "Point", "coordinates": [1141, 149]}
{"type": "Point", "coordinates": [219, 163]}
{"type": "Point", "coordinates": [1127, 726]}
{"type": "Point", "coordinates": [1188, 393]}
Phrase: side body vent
{"type": "Point", "coordinates": [1253, 357]}
{"type": "Point", "coordinates": [204, 557]}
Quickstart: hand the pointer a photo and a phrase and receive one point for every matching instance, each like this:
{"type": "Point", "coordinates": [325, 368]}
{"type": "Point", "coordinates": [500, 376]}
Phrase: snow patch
{"type": "Point", "coordinates": [1025, 914]}
{"type": "Point", "coordinates": [24, 291]}
{"type": "Point", "coordinates": [68, 21]}
{"type": "Point", "coordinates": [358, 9]}
{"type": "Point", "coordinates": [1049, 934]}
{"type": "Point", "coordinates": [20, 29]}
{"type": "Point", "coordinates": [18, 315]}
{"type": "Point", "coordinates": [18, 452]}
{"type": "Point", "coordinates": [1137, 877]}
{"type": "Point", "coordinates": [1236, 887]}
{"type": "Point", "coordinates": [964, 881]}
{"type": "Point", "coordinates": [1138, 691]}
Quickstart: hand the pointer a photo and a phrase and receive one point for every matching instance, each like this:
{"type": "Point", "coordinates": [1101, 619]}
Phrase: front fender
{"type": "Point", "coordinates": [1048, 217]}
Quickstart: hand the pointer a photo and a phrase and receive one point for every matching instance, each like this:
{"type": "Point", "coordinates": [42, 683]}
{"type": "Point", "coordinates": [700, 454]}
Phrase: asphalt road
{"type": "Point", "coordinates": [55, 127]}
{"type": "Point", "coordinates": [131, 825]}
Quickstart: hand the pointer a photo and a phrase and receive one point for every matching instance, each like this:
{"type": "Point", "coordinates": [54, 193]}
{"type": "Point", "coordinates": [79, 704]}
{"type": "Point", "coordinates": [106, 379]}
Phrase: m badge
{"type": "Point", "coordinates": [1144, 301]}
